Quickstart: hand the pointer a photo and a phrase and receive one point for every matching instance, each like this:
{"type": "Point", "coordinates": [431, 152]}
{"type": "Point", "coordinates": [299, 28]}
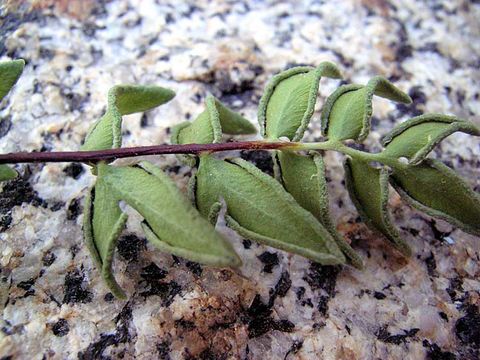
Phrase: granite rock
{"type": "Point", "coordinates": [277, 305]}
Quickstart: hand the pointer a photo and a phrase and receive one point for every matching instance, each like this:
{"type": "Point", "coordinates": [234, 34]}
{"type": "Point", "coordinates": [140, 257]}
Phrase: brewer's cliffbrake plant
{"type": "Point", "coordinates": [289, 211]}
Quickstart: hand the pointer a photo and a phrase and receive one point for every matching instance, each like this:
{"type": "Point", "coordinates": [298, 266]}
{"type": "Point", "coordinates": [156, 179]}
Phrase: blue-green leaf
{"type": "Point", "coordinates": [415, 138]}
{"type": "Point", "coordinates": [102, 224]}
{"type": "Point", "coordinates": [171, 223]}
{"type": "Point", "coordinates": [209, 126]}
{"type": "Point", "coordinates": [7, 173]}
{"type": "Point", "coordinates": [347, 112]}
{"type": "Point", "coordinates": [106, 133]}
{"type": "Point", "coordinates": [259, 208]}
{"type": "Point", "coordinates": [438, 191]}
{"type": "Point", "coordinates": [288, 102]}
{"type": "Point", "coordinates": [368, 189]}
{"type": "Point", "coordinates": [10, 71]}
{"type": "Point", "coordinates": [304, 178]}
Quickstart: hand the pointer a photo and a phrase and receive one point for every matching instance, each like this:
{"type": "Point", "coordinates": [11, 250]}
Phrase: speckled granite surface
{"type": "Point", "coordinates": [277, 306]}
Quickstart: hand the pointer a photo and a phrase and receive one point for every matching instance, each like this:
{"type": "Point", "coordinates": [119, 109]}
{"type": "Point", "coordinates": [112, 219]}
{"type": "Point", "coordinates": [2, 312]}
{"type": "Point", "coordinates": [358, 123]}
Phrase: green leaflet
{"type": "Point", "coordinates": [7, 173]}
{"type": "Point", "coordinates": [368, 189]}
{"type": "Point", "coordinates": [435, 189]}
{"type": "Point", "coordinates": [289, 100]}
{"type": "Point", "coordinates": [103, 222]}
{"type": "Point", "coordinates": [208, 127]}
{"type": "Point", "coordinates": [416, 137]}
{"type": "Point", "coordinates": [10, 71]}
{"type": "Point", "coordinates": [106, 133]}
{"type": "Point", "coordinates": [171, 223]}
{"type": "Point", "coordinates": [259, 208]}
{"type": "Point", "coordinates": [347, 112]}
{"type": "Point", "coordinates": [304, 178]}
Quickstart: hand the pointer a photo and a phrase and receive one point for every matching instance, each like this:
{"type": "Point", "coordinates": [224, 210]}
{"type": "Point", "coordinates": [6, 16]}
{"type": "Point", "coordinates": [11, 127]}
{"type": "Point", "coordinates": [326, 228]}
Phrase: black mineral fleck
{"type": "Point", "coordinates": [258, 318]}
{"type": "Point", "coordinates": [443, 316]}
{"type": "Point", "coordinates": [455, 286]}
{"type": "Point", "coordinates": [74, 170]}
{"type": "Point", "coordinates": [95, 350]}
{"type": "Point", "coordinates": [281, 287]}
{"type": "Point", "coordinates": [269, 260]}
{"type": "Point", "coordinates": [109, 297]}
{"type": "Point", "coordinates": [467, 327]}
{"type": "Point", "coordinates": [57, 205]}
{"type": "Point", "coordinates": [48, 258]}
{"type": "Point", "coordinates": [379, 295]}
{"type": "Point", "coordinates": [384, 335]}
{"type": "Point", "coordinates": [74, 209]}
{"type": "Point", "coordinates": [418, 100]}
{"type": "Point", "coordinates": [296, 346]}
{"type": "Point", "coordinates": [5, 126]}
{"type": "Point", "coordinates": [247, 244]}
{"type": "Point", "coordinates": [163, 349]}
{"type": "Point", "coordinates": [152, 272]}
{"type": "Point", "coordinates": [194, 268]}
{"type": "Point", "coordinates": [322, 277]}
{"type": "Point", "coordinates": [166, 290]}
{"type": "Point", "coordinates": [60, 328]}
{"type": "Point", "coordinates": [26, 285]}
{"type": "Point", "coordinates": [75, 288]}
{"type": "Point", "coordinates": [184, 324]}
{"type": "Point", "coordinates": [129, 246]}
{"type": "Point", "coordinates": [15, 193]}
{"type": "Point", "coordinates": [435, 353]}
{"type": "Point", "coordinates": [431, 265]}
{"type": "Point", "coordinates": [120, 335]}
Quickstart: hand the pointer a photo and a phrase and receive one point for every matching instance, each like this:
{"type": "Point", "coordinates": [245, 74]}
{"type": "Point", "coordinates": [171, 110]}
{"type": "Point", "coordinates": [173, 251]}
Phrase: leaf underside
{"type": "Point", "coordinates": [415, 138]}
{"type": "Point", "coordinates": [177, 226]}
{"type": "Point", "coordinates": [257, 205]}
{"type": "Point", "coordinates": [368, 189]}
{"type": "Point", "coordinates": [7, 173]}
{"type": "Point", "coordinates": [10, 72]}
{"type": "Point", "coordinates": [106, 133]}
{"type": "Point", "coordinates": [347, 112]}
{"type": "Point", "coordinates": [103, 223]}
{"type": "Point", "coordinates": [438, 191]}
{"type": "Point", "coordinates": [304, 178]}
{"type": "Point", "coordinates": [289, 101]}
{"type": "Point", "coordinates": [209, 126]}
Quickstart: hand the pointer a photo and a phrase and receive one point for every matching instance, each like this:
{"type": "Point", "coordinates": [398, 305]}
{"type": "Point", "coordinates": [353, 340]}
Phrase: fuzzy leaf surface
{"type": "Point", "coordinates": [437, 190]}
{"type": "Point", "coordinates": [7, 173]}
{"type": "Point", "coordinates": [259, 208]}
{"type": "Point", "coordinates": [348, 110]}
{"type": "Point", "coordinates": [103, 223]}
{"type": "Point", "coordinates": [171, 223]}
{"type": "Point", "coordinates": [415, 138]}
{"type": "Point", "coordinates": [368, 189]}
{"type": "Point", "coordinates": [208, 127]}
{"type": "Point", "coordinates": [288, 102]}
{"type": "Point", "coordinates": [304, 178]}
{"type": "Point", "coordinates": [106, 133]}
{"type": "Point", "coordinates": [10, 71]}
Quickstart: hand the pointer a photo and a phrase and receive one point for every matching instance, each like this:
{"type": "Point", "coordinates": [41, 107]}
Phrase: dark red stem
{"type": "Point", "coordinates": [112, 154]}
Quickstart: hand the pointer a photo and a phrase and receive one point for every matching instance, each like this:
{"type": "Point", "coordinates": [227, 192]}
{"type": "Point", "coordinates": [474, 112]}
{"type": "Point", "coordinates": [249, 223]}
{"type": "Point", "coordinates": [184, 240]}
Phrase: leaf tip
{"type": "Point", "coordinates": [329, 69]}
